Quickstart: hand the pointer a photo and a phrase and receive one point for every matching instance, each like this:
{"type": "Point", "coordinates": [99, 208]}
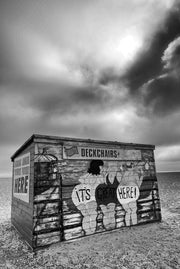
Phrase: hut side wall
{"type": "Point", "coordinates": [97, 195]}
{"type": "Point", "coordinates": [22, 211]}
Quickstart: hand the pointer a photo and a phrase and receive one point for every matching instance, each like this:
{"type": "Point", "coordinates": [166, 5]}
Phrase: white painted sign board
{"type": "Point", "coordinates": [22, 177]}
{"type": "Point", "coordinates": [80, 152]}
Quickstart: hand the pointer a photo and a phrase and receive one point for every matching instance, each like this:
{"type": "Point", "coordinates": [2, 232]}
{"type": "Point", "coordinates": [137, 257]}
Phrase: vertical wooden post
{"type": "Point", "coordinates": [154, 205]}
{"type": "Point", "coordinates": [60, 208]}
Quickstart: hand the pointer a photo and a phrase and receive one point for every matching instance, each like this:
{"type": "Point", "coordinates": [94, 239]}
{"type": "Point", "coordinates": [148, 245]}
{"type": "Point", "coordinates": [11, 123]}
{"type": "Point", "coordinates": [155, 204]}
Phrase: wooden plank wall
{"type": "Point", "coordinates": [22, 212]}
{"type": "Point", "coordinates": [47, 205]}
{"type": "Point", "coordinates": [107, 217]}
{"type": "Point", "coordinates": [92, 217]}
{"type": "Point", "coordinates": [100, 212]}
{"type": "Point", "coordinates": [72, 217]}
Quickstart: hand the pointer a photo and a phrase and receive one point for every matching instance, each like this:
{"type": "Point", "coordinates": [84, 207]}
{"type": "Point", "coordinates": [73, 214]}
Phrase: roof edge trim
{"type": "Point", "coordinates": [50, 137]}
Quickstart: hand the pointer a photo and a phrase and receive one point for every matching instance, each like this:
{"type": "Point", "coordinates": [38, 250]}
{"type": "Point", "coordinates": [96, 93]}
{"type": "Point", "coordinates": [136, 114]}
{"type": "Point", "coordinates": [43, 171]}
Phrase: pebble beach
{"type": "Point", "coordinates": [148, 246]}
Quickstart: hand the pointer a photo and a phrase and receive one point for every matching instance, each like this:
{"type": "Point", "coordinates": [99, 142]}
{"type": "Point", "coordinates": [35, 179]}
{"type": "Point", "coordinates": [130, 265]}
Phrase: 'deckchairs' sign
{"type": "Point", "coordinates": [21, 177]}
{"type": "Point", "coordinates": [79, 152]}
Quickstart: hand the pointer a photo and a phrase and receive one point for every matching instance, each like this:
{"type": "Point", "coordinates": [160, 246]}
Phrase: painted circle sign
{"type": "Point", "coordinates": [83, 194]}
{"type": "Point", "coordinates": [127, 194]}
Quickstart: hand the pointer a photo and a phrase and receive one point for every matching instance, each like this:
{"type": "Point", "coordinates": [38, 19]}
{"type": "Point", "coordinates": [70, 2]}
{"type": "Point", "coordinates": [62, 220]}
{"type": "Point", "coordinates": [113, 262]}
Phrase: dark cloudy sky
{"type": "Point", "coordinates": [91, 68]}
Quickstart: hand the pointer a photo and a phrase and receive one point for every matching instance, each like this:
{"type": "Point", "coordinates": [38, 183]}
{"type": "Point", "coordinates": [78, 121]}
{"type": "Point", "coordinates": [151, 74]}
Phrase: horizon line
{"type": "Point", "coordinates": [156, 172]}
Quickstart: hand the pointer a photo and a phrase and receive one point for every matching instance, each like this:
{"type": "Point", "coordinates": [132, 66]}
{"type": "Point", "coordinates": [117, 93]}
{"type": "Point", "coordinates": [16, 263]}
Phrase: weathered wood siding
{"type": "Point", "coordinates": [103, 211]}
{"type": "Point", "coordinates": [74, 197]}
{"type": "Point", "coordinates": [22, 212]}
{"type": "Point", "coordinates": [47, 217]}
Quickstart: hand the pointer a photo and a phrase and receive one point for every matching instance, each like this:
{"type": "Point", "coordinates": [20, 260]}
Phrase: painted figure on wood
{"type": "Point", "coordinates": [106, 194]}
{"type": "Point", "coordinates": [128, 191]}
{"type": "Point", "coordinates": [83, 196]}
{"type": "Point", "coordinates": [105, 186]}
{"type": "Point", "coordinates": [108, 191]}
{"type": "Point", "coordinates": [97, 191]}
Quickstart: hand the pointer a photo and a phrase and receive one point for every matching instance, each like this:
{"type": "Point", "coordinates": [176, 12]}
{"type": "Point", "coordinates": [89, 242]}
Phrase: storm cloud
{"type": "Point", "coordinates": [96, 69]}
{"type": "Point", "coordinates": [161, 94]}
{"type": "Point", "coordinates": [154, 77]}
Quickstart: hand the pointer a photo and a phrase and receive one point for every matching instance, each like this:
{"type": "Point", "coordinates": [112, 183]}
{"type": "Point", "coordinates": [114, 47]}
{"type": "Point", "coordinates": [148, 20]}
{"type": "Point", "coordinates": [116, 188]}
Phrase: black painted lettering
{"type": "Point", "coordinates": [82, 195]}
{"type": "Point", "coordinates": [131, 192]}
{"type": "Point", "coordinates": [102, 153]}
{"type": "Point", "coordinates": [88, 195]}
{"type": "Point", "coordinates": [124, 193]}
{"type": "Point", "coordinates": [82, 152]}
{"type": "Point", "coordinates": [19, 184]}
{"type": "Point", "coordinates": [22, 185]}
{"type": "Point", "coordinates": [115, 154]}
{"type": "Point", "coordinates": [127, 192]}
{"type": "Point", "coordinates": [26, 184]}
{"type": "Point", "coordinates": [120, 193]}
{"type": "Point", "coordinates": [98, 153]}
{"type": "Point", "coordinates": [134, 192]}
{"type": "Point", "coordinates": [90, 153]}
{"type": "Point", "coordinates": [78, 196]}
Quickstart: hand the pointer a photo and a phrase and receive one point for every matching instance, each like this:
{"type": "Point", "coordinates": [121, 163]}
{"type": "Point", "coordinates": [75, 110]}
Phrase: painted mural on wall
{"type": "Point", "coordinates": [106, 188]}
{"type": "Point", "coordinates": [98, 195]}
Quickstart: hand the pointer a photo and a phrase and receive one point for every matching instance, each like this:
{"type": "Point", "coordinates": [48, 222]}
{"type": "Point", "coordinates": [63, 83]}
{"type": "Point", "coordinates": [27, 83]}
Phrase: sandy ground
{"type": "Point", "coordinates": [147, 246]}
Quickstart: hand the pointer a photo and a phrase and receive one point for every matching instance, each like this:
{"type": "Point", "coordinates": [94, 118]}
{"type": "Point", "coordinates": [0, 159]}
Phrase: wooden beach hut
{"type": "Point", "coordinates": [65, 188]}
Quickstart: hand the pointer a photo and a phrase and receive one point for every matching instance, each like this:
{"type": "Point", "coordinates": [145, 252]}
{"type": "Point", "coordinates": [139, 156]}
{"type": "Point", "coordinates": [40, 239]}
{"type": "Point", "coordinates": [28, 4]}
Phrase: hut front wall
{"type": "Point", "coordinates": [23, 192]}
{"type": "Point", "coordinates": [95, 188]}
